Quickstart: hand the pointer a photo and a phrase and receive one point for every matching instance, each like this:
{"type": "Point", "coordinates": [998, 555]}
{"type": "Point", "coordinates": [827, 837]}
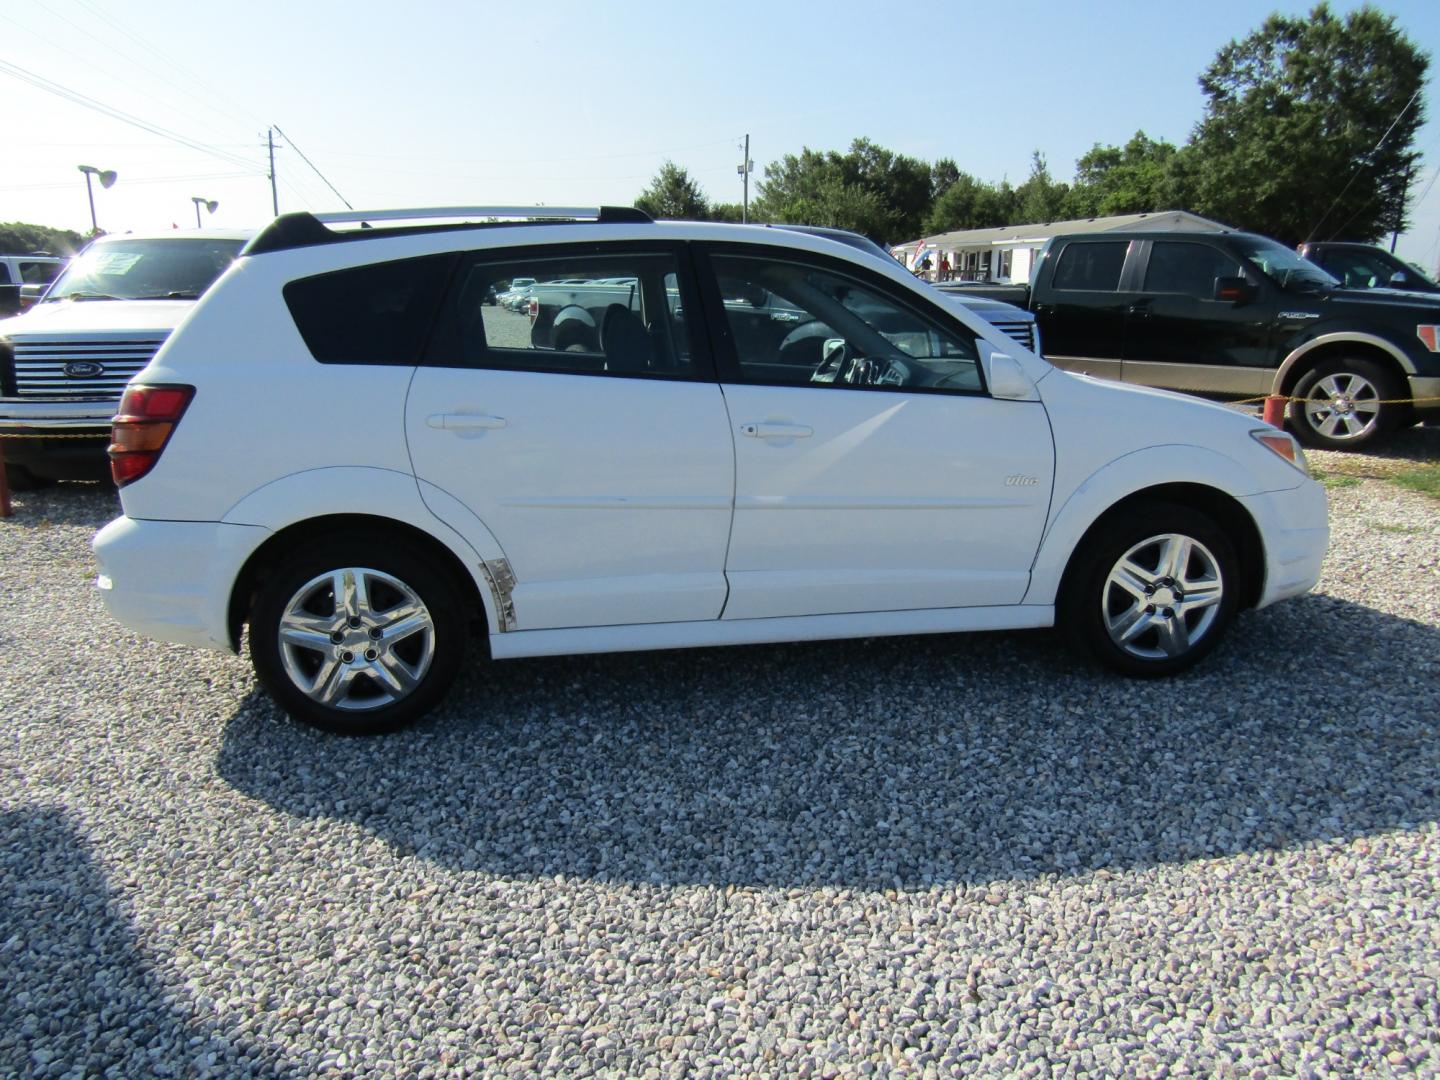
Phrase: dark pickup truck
{"type": "Point", "coordinates": [1233, 315]}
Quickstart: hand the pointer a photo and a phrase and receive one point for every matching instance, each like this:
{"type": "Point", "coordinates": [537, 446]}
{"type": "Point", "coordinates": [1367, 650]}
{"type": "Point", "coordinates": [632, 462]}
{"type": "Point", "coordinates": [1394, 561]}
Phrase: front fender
{"type": "Point", "coordinates": [1153, 466]}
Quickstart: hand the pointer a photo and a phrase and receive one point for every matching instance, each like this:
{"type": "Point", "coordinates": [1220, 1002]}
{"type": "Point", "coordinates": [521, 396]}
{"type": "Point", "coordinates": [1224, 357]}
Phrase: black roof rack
{"type": "Point", "coordinates": [304, 229]}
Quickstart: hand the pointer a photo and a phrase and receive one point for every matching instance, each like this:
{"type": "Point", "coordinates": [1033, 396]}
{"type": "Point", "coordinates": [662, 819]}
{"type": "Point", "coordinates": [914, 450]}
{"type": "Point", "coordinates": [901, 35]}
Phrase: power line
{"type": "Point", "coordinates": [77, 98]}
{"type": "Point", "coordinates": [111, 46]}
{"type": "Point", "coordinates": [312, 165]}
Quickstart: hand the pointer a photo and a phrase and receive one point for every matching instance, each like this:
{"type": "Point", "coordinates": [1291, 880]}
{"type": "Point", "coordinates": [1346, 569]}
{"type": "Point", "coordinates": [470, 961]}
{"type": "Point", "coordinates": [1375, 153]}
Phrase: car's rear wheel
{"type": "Point", "coordinates": [357, 635]}
{"type": "Point", "coordinates": [1345, 405]}
{"type": "Point", "coordinates": [1152, 591]}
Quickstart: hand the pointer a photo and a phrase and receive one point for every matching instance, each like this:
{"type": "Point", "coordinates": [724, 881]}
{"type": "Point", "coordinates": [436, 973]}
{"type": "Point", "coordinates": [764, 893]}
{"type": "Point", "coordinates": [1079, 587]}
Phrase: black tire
{"type": "Point", "coordinates": [1092, 601]}
{"type": "Point", "coordinates": [364, 705]}
{"type": "Point", "coordinates": [1337, 406]}
{"type": "Point", "coordinates": [22, 479]}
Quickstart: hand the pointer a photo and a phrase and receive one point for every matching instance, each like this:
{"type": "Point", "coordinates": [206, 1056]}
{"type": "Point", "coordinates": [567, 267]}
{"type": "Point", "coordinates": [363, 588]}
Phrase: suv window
{"type": "Point", "coordinates": [794, 323]}
{"type": "Point", "coordinates": [1180, 267]}
{"type": "Point", "coordinates": [38, 273]}
{"type": "Point", "coordinates": [1093, 267]}
{"type": "Point", "coordinates": [377, 314]}
{"type": "Point", "coordinates": [610, 314]}
{"type": "Point", "coordinates": [5, 275]}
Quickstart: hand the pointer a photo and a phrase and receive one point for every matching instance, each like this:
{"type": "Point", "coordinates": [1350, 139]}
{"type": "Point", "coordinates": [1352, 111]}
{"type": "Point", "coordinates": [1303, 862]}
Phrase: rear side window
{"type": "Point", "coordinates": [377, 314]}
{"type": "Point", "coordinates": [5, 275]}
{"type": "Point", "coordinates": [1191, 269]}
{"type": "Point", "coordinates": [617, 313]}
{"type": "Point", "coordinates": [38, 273]}
{"type": "Point", "coordinates": [1091, 267]}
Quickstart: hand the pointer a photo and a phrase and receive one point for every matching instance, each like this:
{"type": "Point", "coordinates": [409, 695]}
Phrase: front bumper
{"type": "Point", "coordinates": [1425, 391]}
{"type": "Point", "coordinates": [62, 440]}
{"type": "Point", "coordinates": [1295, 530]}
{"type": "Point", "coordinates": [171, 580]}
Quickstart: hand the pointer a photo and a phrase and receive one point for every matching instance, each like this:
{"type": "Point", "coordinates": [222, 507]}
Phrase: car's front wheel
{"type": "Point", "coordinates": [357, 635]}
{"type": "Point", "coordinates": [1152, 591]}
{"type": "Point", "coordinates": [1345, 405]}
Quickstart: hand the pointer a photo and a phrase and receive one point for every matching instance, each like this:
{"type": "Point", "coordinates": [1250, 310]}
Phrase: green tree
{"type": "Point", "coordinates": [869, 189]}
{"type": "Point", "coordinates": [18, 238]}
{"type": "Point", "coordinates": [1140, 177]}
{"type": "Point", "coordinates": [673, 195]}
{"type": "Point", "coordinates": [1040, 197]}
{"type": "Point", "coordinates": [969, 203]}
{"type": "Point", "coordinates": [1309, 127]}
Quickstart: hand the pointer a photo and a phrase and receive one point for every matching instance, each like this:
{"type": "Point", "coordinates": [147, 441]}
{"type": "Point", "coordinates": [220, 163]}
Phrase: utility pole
{"type": "Point", "coordinates": [274, 194]}
{"type": "Point", "coordinates": [744, 169]}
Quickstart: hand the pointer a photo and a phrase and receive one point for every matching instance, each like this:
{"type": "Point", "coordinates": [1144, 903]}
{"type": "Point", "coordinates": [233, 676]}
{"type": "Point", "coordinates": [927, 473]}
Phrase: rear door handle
{"type": "Point", "coordinates": [463, 422]}
{"type": "Point", "coordinates": [776, 431]}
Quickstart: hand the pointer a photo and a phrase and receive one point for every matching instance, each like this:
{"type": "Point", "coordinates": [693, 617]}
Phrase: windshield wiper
{"type": "Point", "coordinates": [171, 296]}
{"type": "Point", "coordinates": [83, 296]}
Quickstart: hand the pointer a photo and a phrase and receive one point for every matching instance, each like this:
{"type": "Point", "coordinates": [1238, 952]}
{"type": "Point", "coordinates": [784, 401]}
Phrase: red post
{"type": "Point", "coordinates": [1274, 413]}
{"type": "Point", "coordinates": [5, 510]}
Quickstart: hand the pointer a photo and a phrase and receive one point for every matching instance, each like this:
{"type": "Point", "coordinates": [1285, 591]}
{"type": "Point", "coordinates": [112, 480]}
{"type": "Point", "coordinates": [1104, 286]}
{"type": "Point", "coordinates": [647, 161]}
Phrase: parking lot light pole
{"type": "Point", "coordinates": [199, 201]}
{"type": "Point", "coordinates": [107, 178]}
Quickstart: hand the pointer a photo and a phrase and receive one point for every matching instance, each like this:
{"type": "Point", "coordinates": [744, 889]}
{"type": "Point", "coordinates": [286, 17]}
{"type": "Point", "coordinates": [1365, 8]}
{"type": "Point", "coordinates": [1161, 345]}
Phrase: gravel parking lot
{"type": "Point", "coordinates": [905, 857]}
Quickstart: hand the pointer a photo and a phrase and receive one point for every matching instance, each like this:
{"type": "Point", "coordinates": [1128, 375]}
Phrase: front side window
{"type": "Point", "coordinates": [1091, 267]}
{"type": "Point", "coordinates": [793, 323]}
{"type": "Point", "coordinates": [619, 314]}
{"type": "Point", "coordinates": [1191, 269]}
{"type": "Point", "coordinates": [124, 268]}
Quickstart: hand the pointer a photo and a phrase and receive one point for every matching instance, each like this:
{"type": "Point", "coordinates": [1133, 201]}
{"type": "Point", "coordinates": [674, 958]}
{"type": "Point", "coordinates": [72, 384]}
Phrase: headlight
{"type": "Point", "coordinates": [1283, 444]}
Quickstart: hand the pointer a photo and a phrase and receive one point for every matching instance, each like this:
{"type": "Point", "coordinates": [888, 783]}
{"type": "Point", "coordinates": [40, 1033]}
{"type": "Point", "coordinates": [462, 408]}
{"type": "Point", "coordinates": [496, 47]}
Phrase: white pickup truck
{"type": "Point", "coordinates": [65, 362]}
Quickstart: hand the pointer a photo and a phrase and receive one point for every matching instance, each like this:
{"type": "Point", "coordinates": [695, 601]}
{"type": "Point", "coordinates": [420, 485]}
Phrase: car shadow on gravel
{"type": "Point", "coordinates": [892, 762]}
{"type": "Point", "coordinates": [80, 997]}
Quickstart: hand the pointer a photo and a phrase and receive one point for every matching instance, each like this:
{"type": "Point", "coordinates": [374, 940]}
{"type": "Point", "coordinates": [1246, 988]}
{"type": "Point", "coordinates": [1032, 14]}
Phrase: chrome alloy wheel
{"type": "Point", "coordinates": [1343, 406]}
{"type": "Point", "coordinates": [1162, 596]}
{"type": "Point", "coordinates": [356, 639]}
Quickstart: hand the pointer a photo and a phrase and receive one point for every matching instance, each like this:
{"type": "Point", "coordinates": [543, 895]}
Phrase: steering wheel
{"type": "Point", "coordinates": [878, 371]}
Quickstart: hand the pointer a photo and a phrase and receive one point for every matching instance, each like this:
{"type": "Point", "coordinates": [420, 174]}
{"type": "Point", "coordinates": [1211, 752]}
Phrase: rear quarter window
{"type": "Point", "coordinates": [376, 314]}
{"type": "Point", "coordinates": [1091, 267]}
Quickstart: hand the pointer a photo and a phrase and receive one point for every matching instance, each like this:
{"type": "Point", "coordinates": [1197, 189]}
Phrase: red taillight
{"type": "Point", "coordinates": [142, 427]}
{"type": "Point", "coordinates": [532, 307]}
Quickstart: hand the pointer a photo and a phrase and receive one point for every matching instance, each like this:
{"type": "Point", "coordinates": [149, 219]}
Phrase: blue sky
{"type": "Point", "coordinates": [579, 103]}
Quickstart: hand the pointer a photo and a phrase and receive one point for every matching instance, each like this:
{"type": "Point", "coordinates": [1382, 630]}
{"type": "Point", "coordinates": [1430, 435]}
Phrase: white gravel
{"type": "Point", "coordinates": [907, 857]}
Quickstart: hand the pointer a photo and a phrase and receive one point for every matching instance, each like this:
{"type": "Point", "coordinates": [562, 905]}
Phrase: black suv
{"type": "Point", "coordinates": [1365, 266]}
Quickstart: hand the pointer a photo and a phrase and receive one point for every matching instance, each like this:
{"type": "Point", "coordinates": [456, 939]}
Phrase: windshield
{"type": "Point", "coordinates": [160, 269]}
{"type": "Point", "coordinates": [1287, 268]}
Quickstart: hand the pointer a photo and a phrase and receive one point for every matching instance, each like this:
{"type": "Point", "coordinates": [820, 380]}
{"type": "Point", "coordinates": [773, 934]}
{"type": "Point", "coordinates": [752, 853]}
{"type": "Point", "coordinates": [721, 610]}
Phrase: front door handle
{"type": "Point", "coordinates": [464, 422]}
{"type": "Point", "coordinates": [776, 431]}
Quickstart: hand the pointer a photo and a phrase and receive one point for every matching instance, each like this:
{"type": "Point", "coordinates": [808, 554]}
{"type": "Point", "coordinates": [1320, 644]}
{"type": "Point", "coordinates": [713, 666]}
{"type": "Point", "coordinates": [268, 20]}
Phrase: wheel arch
{"type": "Point", "coordinates": [264, 558]}
{"type": "Point", "coordinates": [1338, 346]}
{"type": "Point", "coordinates": [1224, 509]}
{"type": "Point", "coordinates": [1186, 474]}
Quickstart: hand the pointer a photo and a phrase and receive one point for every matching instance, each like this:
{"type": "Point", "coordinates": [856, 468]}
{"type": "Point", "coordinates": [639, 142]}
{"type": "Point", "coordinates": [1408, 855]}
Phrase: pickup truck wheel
{"type": "Point", "coordinates": [1152, 591]}
{"type": "Point", "coordinates": [356, 635]}
{"type": "Point", "coordinates": [1339, 405]}
{"type": "Point", "coordinates": [22, 479]}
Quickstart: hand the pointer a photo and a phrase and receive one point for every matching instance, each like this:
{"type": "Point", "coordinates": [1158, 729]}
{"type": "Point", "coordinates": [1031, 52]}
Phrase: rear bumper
{"type": "Point", "coordinates": [171, 580]}
{"type": "Point", "coordinates": [1295, 530]}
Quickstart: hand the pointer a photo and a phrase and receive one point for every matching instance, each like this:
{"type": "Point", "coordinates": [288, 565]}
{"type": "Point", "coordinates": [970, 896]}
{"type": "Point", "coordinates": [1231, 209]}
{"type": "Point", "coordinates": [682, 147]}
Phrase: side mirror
{"type": "Point", "coordinates": [1399, 279]}
{"type": "Point", "coordinates": [1007, 379]}
{"type": "Point", "coordinates": [1235, 290]}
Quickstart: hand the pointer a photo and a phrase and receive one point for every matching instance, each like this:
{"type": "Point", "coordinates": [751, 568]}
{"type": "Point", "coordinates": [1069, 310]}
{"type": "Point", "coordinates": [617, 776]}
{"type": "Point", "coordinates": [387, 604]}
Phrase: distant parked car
{"type": "Point", "coordinates": [19, 272]}
{"type": "Point", "coordinates": [1365, 266]}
